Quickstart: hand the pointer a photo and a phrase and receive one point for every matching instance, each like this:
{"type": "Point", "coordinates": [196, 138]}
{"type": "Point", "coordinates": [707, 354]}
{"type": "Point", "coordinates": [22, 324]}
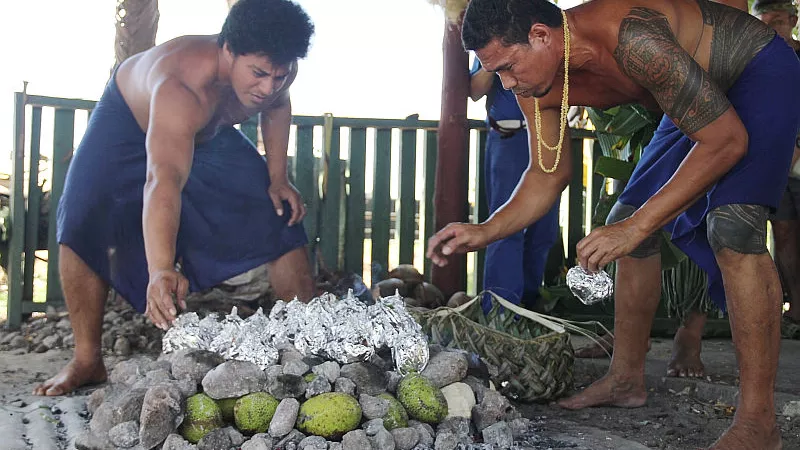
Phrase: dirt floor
{"type": "Point", "coordinates": [680, 414]}
{"type": "Point", "coordinates": [670, 419]}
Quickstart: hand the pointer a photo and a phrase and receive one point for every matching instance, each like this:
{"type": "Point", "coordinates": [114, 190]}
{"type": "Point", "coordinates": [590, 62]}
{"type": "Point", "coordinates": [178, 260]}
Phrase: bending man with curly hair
{"type": "Point", "coordinates": [162, 176]}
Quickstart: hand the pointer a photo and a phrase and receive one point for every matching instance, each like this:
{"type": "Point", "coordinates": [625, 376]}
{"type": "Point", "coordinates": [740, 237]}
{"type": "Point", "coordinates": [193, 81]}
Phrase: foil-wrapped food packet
{"type": "Point", "coordinates": [345, 330]}
{"type": "Point", "coordinates": [590, 288]}
{"type": "Point", "coordinates": [410, 353]}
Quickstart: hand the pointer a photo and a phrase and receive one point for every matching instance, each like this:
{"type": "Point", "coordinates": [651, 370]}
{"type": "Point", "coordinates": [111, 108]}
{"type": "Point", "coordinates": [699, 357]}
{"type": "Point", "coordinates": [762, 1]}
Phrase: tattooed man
{"type": "Point", "coordinates": [713, 171]}
{"type": "Point", "coordinates": [781, 15]}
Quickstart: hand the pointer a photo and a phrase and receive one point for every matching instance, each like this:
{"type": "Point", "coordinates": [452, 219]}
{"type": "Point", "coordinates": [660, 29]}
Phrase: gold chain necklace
{"type": "Point", "coordinates": [564, 109]}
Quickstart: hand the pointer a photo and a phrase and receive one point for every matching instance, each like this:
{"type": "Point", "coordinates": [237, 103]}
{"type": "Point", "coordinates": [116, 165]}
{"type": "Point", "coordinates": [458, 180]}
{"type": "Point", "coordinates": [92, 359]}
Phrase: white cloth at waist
{"type": "Point", "coordinates": [511, 124]}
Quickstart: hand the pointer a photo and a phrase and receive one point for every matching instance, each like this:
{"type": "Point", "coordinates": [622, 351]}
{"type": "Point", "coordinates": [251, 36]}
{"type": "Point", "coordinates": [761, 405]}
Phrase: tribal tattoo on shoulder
{"type": "Point", "coordinates": [737, 38]}
{"type": "Point", "coordinates": [649, 53]}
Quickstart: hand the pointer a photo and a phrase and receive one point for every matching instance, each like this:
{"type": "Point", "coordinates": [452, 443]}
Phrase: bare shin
{"type": "Point", "coordinates": [737, 233]}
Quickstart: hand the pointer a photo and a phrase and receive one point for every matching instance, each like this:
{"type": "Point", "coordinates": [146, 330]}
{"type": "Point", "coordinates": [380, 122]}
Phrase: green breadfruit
{"type": "Point", "coordinates": [423, 401]}
{"type": "Point", "coordinates": [397, 417]}
{"type": "Point", "coordinates": [201, 417]}
{"type": "Point", "coordinates": [253, 412]}
{"type": "Point", "coordinates": [226, 406]}
{"type": "Point", "coordinates": [329, 415]}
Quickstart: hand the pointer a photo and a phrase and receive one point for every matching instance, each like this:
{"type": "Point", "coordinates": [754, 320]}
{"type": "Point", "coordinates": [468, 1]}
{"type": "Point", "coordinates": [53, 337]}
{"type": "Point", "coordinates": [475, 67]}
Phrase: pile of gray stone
{"type": "Point", "coordinates": [143, 405]}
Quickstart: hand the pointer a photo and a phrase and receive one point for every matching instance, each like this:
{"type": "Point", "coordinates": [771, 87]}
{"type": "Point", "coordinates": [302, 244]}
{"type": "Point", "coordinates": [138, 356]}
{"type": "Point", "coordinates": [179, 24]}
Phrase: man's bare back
{"type": "Point", "coordinates": [194, 62]}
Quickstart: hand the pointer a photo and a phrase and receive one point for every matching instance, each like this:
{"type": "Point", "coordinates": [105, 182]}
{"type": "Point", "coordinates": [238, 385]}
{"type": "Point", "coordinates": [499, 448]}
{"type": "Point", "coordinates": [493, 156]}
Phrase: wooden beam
{"type": "Point", "coordinates": [450, 196]}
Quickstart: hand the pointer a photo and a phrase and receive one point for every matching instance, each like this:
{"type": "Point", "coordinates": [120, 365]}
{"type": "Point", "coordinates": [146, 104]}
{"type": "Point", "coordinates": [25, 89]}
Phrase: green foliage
{"type": "Point", "coordinates": [623, 132]}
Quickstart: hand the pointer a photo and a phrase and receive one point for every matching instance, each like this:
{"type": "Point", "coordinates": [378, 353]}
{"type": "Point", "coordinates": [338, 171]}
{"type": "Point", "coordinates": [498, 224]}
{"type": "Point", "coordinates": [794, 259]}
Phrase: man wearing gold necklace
{"type": "Point", "coordinates": [715, 168]}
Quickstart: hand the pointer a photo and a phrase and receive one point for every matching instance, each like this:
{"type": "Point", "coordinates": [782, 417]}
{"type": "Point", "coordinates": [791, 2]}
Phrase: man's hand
{"type": "Point", "coordinates": [164, 288]}
{"type": "Point", "coordinates": [281, 191]}
{"type": "Point", "coordinates": [609, 243]}
{"type": "Point", "coordinates": [456, 238]}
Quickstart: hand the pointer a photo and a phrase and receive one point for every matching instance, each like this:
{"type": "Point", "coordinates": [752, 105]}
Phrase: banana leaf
{"type": "Point", "coordinates": [627, 122]}
{"type": "Point", "coordinates": [614, 168]}
{"type": "Point", "coordinates": [623, 131]}
{"type": "Point", "coordinates": [610, 145]}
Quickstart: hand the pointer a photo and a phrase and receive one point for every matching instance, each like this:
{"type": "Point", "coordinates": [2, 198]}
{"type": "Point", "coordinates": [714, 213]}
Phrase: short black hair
{"type": "Point", "coordinates": [509, 20]}
{"type": "Point", "coordinates": [278, 29]}
{"type": "Point", "coordinates": [762, 6]}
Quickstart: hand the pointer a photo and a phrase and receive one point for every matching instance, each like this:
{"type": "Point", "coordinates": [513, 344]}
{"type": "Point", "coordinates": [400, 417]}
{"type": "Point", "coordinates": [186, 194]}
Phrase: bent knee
{"type": "Point", "coordinates": [741, 228]}
{"type": "Point", "coordinates": [650, 246]}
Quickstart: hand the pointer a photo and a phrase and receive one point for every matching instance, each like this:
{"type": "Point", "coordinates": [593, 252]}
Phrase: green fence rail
{"type": "Point", "coordinates": [368, 184]}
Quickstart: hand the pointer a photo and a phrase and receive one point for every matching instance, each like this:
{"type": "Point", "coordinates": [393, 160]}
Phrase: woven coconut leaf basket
{"type": "Point", "coordinates": [530, 356]}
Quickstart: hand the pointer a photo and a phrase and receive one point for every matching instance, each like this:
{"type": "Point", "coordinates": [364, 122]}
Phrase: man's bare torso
{"type": "Point", "coordinates": [195, 61]}
{"type": "Point", "coordinates": [722, 40]}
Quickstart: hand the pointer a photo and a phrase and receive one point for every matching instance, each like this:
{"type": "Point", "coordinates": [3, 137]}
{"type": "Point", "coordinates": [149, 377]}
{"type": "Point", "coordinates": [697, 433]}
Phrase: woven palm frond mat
{"type": "Point", "coordinates": [530, 353]}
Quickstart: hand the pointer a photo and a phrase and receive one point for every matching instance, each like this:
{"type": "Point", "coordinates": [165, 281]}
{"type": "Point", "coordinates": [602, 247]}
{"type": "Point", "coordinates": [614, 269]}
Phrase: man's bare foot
{"type": "Point", "coordinates": [74, 375]}
{"type": "Point", "coordinates": [685, 361]}
{"type": "Point", "coordinates": [744, 435]}
{"type": "Point", "coordinates": [608, 391]}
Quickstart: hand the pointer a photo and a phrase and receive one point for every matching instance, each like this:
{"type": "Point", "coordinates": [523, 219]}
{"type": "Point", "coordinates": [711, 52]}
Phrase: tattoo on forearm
{"type": "Point", "coordinates": [648, 52]}
{"type": "Point", "coordinates": [738, 37]}
{"type": "Point", "coordinates": [741, 228]}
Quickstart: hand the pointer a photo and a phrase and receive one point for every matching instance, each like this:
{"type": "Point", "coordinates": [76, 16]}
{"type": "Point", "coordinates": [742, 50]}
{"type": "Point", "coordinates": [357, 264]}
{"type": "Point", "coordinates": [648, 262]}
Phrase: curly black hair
{"type": "Point", "coordinates": [509, 20]}
{"type": "Point", "coordinates": [279, 29]}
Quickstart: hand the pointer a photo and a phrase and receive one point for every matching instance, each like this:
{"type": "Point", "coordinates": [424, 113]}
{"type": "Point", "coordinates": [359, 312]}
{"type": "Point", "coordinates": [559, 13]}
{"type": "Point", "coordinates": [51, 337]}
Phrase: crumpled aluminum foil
{"type": "Point", "coordinates": [344, 330]}
{"type": "Point", "coordinates": [590, 288]}
{"type": "Point", "coordinates": [410, 352]}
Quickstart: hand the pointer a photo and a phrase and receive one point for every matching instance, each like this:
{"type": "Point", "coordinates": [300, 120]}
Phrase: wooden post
{"type": "Point", "coordinates": [63, 139]}
{"type": "Point", "coordinates": [137, 24]}
{"type": "Point", "coordinates": [450, 196]}
{"type": "Point", "coordinates": [17, 207]}
{"type": "Point", "coordinates": [430, 183]}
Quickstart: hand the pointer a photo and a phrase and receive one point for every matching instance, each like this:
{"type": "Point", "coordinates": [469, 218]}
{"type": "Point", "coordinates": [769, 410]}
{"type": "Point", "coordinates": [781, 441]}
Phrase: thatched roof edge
{"type": "Point", "coordinates": [452, 8]}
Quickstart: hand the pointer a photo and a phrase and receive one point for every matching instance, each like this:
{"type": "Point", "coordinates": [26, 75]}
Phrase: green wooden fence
{"type": "Point", "coordinates": [342, 166]}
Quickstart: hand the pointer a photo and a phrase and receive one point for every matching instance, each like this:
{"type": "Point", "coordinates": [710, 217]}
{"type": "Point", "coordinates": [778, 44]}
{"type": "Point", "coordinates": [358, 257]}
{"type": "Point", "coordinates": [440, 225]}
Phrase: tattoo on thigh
{"type": "Point", "coordinates": [650, 246]}
{"type": "Point", "coordinates": [619, 212]}
{"type": "Point", "coordinates": [741, 228]}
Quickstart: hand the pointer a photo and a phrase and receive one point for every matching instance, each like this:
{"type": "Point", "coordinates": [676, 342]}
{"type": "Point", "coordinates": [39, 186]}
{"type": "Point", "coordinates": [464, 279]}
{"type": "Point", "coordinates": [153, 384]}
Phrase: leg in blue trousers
{"type": "Point", "coordinates": [514, 266]}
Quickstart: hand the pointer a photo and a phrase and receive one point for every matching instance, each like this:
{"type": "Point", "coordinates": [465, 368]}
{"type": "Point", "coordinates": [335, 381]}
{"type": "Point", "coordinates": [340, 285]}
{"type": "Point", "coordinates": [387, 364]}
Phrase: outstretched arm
{"type": "Point", "coordinates": [532, 199]}
{"type": "Point", "coordinates": [649, 54]}
{"type": "Point", "coordinates": [537, 190]}
{"type": "Point", "coordinates": [176, 115]}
